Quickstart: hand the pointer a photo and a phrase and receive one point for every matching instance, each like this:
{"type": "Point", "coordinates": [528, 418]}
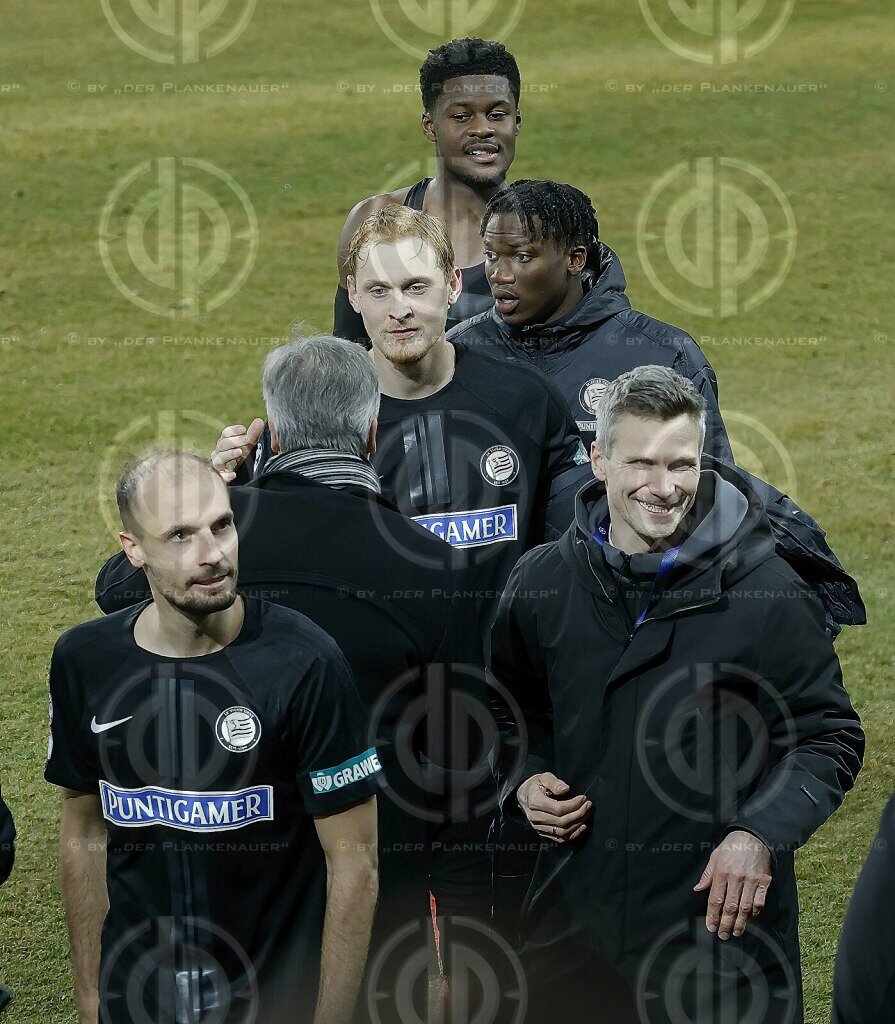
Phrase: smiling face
{"type": "Point", "coordinates": [474, 125]}
{"type": "Point", "coordinates": [651, 474]}
{"type": "Point", "coordinates": [184, 537]}
{"type": "Point", "coordinates": [403, 295]}
{"type": "Point", "coordinates": [533, 280]}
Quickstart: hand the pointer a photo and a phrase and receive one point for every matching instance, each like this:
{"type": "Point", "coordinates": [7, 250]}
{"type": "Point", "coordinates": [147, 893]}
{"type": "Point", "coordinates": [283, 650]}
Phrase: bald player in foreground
{"type": "Point", "coordinates": [218, 814]}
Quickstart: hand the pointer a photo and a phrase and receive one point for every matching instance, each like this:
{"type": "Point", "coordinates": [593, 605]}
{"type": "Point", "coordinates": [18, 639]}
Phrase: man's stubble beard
{"type": "Point", "coordinates": [402, 353]}
{"type": "Point", "coordinates": [199, 604]}
{"type": "Point", "coordinates": [480, 181]}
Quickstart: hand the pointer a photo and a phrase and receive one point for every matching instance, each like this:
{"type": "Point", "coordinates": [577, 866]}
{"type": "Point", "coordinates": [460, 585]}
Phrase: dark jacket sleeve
{"type": "Point", "coordinates": [520, 694]}
{"type": "Point", "coordinates": [120, 585]}
{"type": "Point", "coordinates": [7, 841]}
{"type": "Point", "coordinates": [815, 735]}
{"type": "Point", "coordinates": [864, 978]}
{"type": "Point", "coordinates": [346, 323]}
{"type": "Point", "coordinates": [695, 366]}
{"type": "Point", "coordinates": [565, 467]}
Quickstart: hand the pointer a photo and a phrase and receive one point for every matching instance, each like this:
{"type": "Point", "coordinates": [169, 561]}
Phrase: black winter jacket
{"type": "Point", "coordinates": [599, 340]}
{"type": "Point", "coordinates": [724, 710]}
{"type": "Point", "coordinates": [864, 980]}
{"type": "Point", "coordinates": [7, 841]}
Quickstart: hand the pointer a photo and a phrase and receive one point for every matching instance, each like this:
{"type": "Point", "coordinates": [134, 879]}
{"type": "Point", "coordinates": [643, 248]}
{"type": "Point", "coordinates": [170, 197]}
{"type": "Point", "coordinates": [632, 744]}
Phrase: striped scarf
{"type": "Point", "coordinates": [326, 466]}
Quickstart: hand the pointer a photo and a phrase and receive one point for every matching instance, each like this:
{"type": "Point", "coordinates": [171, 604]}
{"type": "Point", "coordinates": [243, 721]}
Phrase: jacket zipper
{"type": "Point", "coordinates": [629, 636]}
{"type": "Point", "coordinates": [680, 611]}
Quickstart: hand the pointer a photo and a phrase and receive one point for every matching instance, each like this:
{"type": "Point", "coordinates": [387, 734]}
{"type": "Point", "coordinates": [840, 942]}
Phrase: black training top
{"type": "Point", "coordinates": [210, 771]}
{"type": "Point", "coordinates": [489, 463]}
{"type": "Point", "coordinates": [474, 299]}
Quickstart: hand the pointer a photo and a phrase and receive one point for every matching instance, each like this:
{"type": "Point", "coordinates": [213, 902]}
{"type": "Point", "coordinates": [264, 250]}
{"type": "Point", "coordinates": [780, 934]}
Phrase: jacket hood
{"type": "Point", "coordinates": [604, 296]}
{"type": "Point", "coordinates": [729, 537]}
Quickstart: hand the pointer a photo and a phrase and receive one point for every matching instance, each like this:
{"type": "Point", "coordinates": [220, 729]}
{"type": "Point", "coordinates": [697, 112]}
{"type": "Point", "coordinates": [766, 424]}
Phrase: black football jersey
{"type": "Point", "coordinates": [487, 463]}
{"type": "Point", "coordinates": [210, 771]}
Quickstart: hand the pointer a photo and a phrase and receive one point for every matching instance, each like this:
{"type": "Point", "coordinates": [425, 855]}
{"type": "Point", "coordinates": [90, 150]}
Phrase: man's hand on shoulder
{"type": "Point", "coordinates": [234, 446]}
{"type": "Point", "coordinates": [556, 819]}
{"type": "Point", "coordinates": [739, 874]}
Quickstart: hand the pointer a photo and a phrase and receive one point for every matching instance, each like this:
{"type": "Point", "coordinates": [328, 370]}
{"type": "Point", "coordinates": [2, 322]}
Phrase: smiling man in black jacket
{"type": "Point", "coordinates": [560, 305]}
{"type": "Point", "coordinates": [687, 731]}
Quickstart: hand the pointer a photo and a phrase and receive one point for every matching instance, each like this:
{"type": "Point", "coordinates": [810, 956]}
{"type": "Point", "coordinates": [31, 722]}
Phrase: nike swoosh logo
{"type": "Point", "coordinates": [96, 727]}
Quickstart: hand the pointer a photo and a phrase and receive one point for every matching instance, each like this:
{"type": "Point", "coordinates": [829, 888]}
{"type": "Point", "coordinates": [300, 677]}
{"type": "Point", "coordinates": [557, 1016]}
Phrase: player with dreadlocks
{"type": "Point", "coordinates": [560, 304]}
{"type": "Point", "coordinates": [470, 91]}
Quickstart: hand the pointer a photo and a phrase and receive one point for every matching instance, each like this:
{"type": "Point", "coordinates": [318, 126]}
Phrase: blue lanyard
{"type": "Point", "coordinates": [601, 535]}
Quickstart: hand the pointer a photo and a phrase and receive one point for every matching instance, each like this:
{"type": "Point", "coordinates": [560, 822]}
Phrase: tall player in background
{"type": "Point", "coordinates": [471, 115]}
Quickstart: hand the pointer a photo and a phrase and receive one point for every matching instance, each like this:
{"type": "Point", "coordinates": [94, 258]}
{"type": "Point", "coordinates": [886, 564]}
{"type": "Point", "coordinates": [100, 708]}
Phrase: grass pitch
{"type": "Point", "coordinates": [88, 373]}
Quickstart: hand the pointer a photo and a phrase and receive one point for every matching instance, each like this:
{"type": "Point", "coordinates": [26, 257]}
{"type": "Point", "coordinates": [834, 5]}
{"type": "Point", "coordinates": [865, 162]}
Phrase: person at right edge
{"type": "Point", "coordinates": [560, 305]}
{"type": "Point", "coordinates": [864, 977]}
{"type": "Point", "coordinates": [7, 856]}
{"type": "Point", "coordinates": [687, 730]}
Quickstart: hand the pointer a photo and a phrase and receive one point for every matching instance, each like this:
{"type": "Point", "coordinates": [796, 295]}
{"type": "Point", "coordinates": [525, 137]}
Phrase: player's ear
{"type": "Point", "coordinates": [428, 126]}
{"type": "Point", "coordinates": [518, 120]}
{"type": "Point", "coordinates": [597, 462]}
{"type": "Point", "coordinates": [371, 439]}
{"type": "Point", "coordinates": [274, 440]}
{"type": "Point", "coordinates": [576, 259]}
{"type": "Point", "coordinates": [456, 285]}
{"type": "Point", "coordinates": [352, 293]}
{"type": "Point", "coordinates": [131, 547]}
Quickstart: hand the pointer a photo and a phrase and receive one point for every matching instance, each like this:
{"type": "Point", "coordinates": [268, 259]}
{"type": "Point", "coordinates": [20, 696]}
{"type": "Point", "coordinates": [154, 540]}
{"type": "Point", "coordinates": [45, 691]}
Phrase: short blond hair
{"type": "Point", "coordinates": [392, 223]}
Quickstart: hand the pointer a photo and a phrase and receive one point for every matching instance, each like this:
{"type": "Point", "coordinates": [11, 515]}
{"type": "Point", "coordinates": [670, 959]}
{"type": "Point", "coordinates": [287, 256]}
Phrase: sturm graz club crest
{"type": "Point", "coordinates": [591, 393]}
{"type": "Point", "coordinates": [500, 465]}
{"type": "Point", "coordinates": [238, 729]}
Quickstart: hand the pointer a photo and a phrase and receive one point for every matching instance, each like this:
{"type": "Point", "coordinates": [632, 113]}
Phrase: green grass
{"type": "Point", "coordinates": [304, 156]}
